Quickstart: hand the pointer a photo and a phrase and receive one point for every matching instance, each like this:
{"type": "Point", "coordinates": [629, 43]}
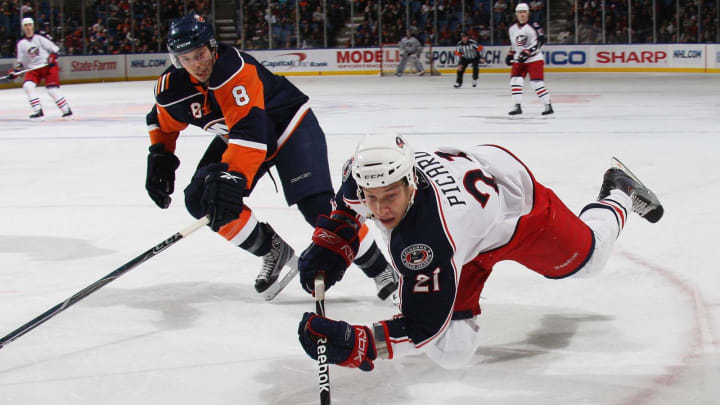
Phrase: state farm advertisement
{"type": "Point", "coordinates": [96, 67]}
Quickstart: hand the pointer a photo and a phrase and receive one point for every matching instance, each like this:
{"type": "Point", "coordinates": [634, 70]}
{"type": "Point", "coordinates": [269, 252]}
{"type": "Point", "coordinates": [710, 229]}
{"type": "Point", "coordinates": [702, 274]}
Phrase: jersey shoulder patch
{"type": "Point", "coordinates": [173, 86]}
{"type": "Point", "coordinates": [230, 63]}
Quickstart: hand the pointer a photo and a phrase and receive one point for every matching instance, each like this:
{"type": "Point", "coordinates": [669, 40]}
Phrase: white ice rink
{"type": "Point", "coordinates": [186, 327]}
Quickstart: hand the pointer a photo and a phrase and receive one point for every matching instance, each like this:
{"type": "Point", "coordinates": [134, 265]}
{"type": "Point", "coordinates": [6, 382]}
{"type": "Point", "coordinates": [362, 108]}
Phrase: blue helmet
{"type": "Point", "coordinates": [188, 33]}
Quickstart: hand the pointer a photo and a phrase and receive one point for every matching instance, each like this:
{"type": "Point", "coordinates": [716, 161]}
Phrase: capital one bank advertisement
{"type": "Point", "coordinates": [301, 61]}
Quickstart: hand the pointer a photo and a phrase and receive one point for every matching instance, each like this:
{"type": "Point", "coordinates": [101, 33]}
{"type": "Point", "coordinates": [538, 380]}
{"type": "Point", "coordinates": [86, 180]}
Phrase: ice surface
{"type": "Point", "coordinates": [187, 327]}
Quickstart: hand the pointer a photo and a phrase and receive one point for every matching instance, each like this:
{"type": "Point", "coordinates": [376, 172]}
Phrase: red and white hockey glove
{"type": "Point", "coordinates": [52, 60]}
{"type": "Point", "coordinates": [347, 345]}
{"type": "Point", "coordinates": [335, 244]}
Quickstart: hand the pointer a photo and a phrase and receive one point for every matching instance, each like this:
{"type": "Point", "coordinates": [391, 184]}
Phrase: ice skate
{"type": "Point", "coordinates": [386, 282]}
{"type": "Point", "coordinates": [517, 110]}
{"type": "Point", "coordinates": [548, 110]}
{"type": "Point", "coordinates": [457, 85]}
{"type": "Point", "coordinates": [421, 73]}
{"type": "Point", "coordinates": [644, 202]}
{"type": "Point", "coordinates": [68, 114]}
{"type": "Point", "coordinates": [37, 115]}
{"type": "Point", "coordinates": [474, 83]}
{"type": "Point", "coordinates": [273, 262]}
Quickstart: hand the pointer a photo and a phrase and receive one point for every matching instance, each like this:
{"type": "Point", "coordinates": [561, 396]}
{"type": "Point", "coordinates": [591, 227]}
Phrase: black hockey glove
{"type": "Point", "coordinates": [347, 345]}
{"type": "Point", "coordinates": [335, 244]}
{"type": "Point", "coordinates": [509, 58]}
{"type": "Point", "coordinates": [160, 181]}
{"type": "Point", "coordinates": [524, 55]}
{"type": "Point", "coordinates": [223, 193]}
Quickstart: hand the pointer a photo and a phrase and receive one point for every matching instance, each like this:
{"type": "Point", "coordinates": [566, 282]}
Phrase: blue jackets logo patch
{"type": "Point", "coordinates": [416, 257]}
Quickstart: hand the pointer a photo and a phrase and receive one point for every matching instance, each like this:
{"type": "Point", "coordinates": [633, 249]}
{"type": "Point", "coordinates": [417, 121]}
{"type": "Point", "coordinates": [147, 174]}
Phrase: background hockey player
{"type": "Point", "coordinates": [450, 215]}
{"type": "Point", "coordinates": [526, 58]}
{"type": "Point", "coordinates": [410, 50]}
{"type": "Point", "coordinates": [264, 121]}
{"type": "Point", "coordinates": [37, 51]}
{"type": "Point", "coordinates": [469, 52]}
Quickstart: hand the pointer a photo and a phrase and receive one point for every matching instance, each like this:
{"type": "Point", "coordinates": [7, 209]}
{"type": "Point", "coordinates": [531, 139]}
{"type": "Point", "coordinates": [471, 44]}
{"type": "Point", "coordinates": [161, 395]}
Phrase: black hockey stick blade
{"type": "Point", "coordinates": [323, 366]}
{"type": "Point", "coordinates": [147, 255]}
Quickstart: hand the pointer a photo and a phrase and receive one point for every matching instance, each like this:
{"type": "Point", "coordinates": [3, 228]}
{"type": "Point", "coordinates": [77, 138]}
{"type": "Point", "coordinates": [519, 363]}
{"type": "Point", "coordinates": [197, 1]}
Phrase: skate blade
{"type": "Point", "coordinates": [281, 283]}
{"type": "Point", "coordinates": [620, 165]}
{"type": "Point", "coordinates": [653, 215]}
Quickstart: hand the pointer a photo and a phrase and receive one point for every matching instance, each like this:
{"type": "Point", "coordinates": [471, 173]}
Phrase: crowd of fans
{"type": "Point", "coordinates": [279, 20]}
{"type": "Point", "coordinates": [113, 26]}
{"type": "Point", "coordinates": [121, 26]}
{"type": "Point", "coordinates": [633, 21]}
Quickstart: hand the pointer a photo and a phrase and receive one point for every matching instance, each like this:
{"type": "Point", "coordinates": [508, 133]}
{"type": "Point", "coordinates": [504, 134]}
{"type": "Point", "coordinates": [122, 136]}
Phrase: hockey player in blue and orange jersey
{"type": "Point", "coordinates": [262, 120]}
{"type": "Point", "coordinates": [449, 215]}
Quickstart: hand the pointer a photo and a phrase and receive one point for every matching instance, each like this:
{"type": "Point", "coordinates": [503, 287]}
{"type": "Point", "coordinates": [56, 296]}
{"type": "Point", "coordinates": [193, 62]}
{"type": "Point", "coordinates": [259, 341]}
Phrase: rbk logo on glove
{"type": "Point", "coordinates": [230, 176]}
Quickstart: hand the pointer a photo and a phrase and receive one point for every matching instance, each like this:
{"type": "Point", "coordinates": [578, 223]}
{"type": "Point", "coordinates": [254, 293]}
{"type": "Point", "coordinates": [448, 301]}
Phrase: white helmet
{"type": "Point", "coordinates": [522, 7]}
{"type": "Point", "coordinates": [27, 20]}
{"type": "Point", "coordinates": [381, 160]}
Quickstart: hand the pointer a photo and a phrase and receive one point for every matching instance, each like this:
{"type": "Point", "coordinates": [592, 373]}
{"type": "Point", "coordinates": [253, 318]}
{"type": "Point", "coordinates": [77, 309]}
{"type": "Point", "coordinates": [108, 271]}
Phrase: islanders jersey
{"type": "Point", "coordinates": [527, 36]}
{"type": "Point", "coordinates": [466, 203]}
{"type": "Point", "coordinates": [33, 52]}
{"type": "Point", "coordinates": [255, 110]}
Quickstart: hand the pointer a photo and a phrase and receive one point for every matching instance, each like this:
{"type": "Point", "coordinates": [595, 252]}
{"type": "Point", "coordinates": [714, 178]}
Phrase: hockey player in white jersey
{"type": "Point", "coordinates": [34, 51]}
{"type": "Point", "coordinates": [410, 49]}
{"type": "Point", "coordinates": [449, 215]}
{"type": "Point", "coordinates": [526, 58]}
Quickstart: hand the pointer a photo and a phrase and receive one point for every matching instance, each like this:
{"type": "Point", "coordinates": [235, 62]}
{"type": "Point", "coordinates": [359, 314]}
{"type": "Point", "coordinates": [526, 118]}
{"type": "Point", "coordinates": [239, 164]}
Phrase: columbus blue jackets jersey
{"type": "Point", "coordinates": [466, 203]}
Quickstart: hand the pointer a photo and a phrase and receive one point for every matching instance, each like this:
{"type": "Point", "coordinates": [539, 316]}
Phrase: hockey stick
{"type": "Point", "coordinates": [23, 71]}
{"type": "Point", "coordinates": [278, 285]}
{"type": "Point", "coordinates": [323, 366]}
{"type": "Point", "coordinates": [40, 319]}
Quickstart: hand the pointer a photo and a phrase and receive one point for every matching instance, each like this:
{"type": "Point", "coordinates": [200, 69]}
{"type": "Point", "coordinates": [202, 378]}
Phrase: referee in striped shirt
{"type": "Point", "coordinates": [468, 51]}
